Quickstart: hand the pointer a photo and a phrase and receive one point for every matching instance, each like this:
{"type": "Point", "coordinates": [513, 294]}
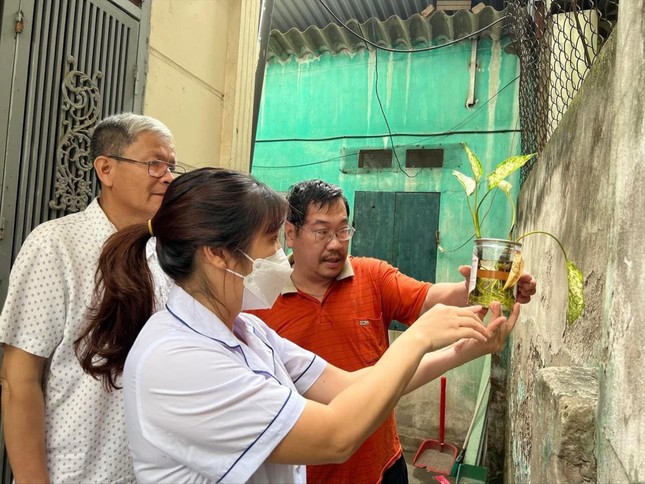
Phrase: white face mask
{"type": "Point", "coordinates": [265, 282]}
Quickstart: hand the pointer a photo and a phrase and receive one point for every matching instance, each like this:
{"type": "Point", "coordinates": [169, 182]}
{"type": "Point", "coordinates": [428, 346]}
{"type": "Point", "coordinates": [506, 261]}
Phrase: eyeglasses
{"type": "Point", "coordinates": [325, 235]}
{"type": "Point", "coordinates": [156, 168]}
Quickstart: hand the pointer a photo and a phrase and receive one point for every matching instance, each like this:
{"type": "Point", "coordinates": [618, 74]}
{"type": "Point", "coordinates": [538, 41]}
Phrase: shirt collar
{"type": "Point", "coordinates": [94, 209]}
{"type": "Point", "coordinates": [256, 352]}
{"type": "Point", "coordinates": [346, 272]}
{"type": "Point", "coordinates": [200, 319]}
{"type": "Point", "coordinates": [95, 212]}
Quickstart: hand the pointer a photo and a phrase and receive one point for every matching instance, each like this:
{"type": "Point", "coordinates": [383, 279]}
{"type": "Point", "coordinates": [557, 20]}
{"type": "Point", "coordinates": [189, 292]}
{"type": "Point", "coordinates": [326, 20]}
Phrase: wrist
{"type": "Point", "coordinates": [415, 343]}
{"type": "Point", "coordinates": [468, 350]}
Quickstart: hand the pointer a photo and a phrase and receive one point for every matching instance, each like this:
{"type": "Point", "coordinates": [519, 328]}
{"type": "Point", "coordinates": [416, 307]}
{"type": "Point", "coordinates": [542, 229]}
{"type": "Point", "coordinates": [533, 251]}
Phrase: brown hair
{"type": "Point", "coordinates": [209, 207]}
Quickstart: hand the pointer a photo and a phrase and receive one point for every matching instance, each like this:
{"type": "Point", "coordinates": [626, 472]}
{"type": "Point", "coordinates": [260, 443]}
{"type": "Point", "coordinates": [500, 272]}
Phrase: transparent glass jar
{"type": "Point", "coordinates": [491, 266]}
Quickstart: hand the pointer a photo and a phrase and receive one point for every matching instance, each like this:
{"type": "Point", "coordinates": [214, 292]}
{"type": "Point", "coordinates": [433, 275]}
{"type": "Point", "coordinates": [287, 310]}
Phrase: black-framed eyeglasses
{"type": "Point", "coordinates": [326, 235]}
{"type": "Point", "coordinates": [156, 168]}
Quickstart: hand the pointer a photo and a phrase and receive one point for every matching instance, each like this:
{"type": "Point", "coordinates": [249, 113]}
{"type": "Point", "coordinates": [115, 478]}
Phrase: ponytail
{"type": "Point", "coordinates": [123, 301]}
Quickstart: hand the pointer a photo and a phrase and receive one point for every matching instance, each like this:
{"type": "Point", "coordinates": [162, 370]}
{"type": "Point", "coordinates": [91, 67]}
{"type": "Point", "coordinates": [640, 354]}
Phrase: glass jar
{"type": "Point", "coordinates": [491, 266]}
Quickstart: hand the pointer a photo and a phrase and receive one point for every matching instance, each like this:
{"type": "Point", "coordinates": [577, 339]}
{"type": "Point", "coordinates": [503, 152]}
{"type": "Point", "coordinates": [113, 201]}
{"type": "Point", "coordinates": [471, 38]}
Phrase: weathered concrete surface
{"type": "Point", "coordinates": [564, 410]}
{"type": "Point", "coordinates": [587, 189]}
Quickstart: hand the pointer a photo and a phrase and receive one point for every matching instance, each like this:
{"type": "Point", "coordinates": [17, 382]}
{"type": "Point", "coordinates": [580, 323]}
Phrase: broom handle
{"type": "Point", "coordinates": [442, 410]}
{"type": "Point", "coordinates": [472, 422]}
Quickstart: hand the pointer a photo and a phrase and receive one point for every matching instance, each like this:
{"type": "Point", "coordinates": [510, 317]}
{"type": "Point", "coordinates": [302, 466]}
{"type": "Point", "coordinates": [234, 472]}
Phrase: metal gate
{"type": "Point", "coordinates": [64, 64]}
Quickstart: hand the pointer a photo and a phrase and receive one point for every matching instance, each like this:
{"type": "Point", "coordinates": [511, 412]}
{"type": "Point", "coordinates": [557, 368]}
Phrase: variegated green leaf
{"type": "Point", "coordinates": [505, 168]}
{"type": "Point", "coordinates": [576, 300]}
{"type": "Point", "coordinates": [475, 164]}
{"type": "Point", "coordinates": [505, 187]}
{"type": "Point", "coordinates": [468, 183]}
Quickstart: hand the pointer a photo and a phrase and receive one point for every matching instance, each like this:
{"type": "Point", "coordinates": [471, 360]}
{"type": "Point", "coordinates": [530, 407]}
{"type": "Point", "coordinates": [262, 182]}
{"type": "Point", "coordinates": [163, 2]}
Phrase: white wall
{"type": "Point", "coordinates": [202, 59]}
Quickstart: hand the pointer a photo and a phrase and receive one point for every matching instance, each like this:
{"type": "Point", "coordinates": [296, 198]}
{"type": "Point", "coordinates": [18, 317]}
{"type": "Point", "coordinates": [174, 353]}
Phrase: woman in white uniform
{"type": "Point", "coordinates": [211, 393]}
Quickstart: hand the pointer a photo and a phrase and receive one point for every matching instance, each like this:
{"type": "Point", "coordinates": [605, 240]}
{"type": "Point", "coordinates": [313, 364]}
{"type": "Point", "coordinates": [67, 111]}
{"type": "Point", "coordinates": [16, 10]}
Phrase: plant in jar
{"type": "Point", "coordinates": [498, 263]}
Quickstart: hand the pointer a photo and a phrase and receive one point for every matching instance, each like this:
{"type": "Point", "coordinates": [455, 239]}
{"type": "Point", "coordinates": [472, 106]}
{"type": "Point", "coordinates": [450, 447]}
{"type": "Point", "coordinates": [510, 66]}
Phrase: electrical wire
{"type": "Point", "coordinates": [390, 134]}
{"type": "Point", "coordinates": [381, 135]}
{"type": "Point", "coordinates": [437, 135]}
{"type": "Point", "coordinates": [407, 51]}
{"type": "Point", "coordinates": [387, 122]}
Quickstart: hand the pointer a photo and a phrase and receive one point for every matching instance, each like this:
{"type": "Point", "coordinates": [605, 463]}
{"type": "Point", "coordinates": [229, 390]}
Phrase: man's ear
{"type": "Point", "coordinates": [104, 167]}
{"type": "Point", "coordinates": [290, 232]}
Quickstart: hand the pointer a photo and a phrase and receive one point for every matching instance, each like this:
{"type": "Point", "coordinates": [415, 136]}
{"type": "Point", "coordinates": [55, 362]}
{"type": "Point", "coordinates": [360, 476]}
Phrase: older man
{"type": "Point", "coordinates": [59, 423]}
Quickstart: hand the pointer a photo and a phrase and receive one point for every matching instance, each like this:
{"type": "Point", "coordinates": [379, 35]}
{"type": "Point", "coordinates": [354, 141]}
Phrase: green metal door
{"type": "Point", "coordinates": [400, 228]}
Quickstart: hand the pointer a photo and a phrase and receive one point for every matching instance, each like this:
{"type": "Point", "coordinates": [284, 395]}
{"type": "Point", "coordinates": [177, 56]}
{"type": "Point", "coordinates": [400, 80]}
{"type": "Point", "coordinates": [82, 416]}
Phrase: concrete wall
{"type": "Point", "coordinates": [587, 189]}
{"type": "Point", "coordinates": [202, 60]}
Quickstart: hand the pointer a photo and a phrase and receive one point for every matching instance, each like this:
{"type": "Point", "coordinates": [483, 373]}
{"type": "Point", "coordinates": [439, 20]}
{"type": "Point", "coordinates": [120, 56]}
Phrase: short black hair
{"type": "Point", "coordinates": [315, 191]}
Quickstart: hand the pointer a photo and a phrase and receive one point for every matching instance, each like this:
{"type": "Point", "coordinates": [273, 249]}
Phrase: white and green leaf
{"type": "Point", "coordinates": [576, 301]}
{"type": "Point", "coordinates": [505, 168]}
{"type": "Point", "coordinates": [475, 164]}
{"type": "Point", "coordinates": [467, 183]}
{"type": "Point", "coordinates": [505, 187]}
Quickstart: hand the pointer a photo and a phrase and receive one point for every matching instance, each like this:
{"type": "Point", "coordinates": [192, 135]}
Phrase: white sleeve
{"type": "Point", "coordinates": [303, 366]}
{"type": "Point", "coordinates": [224, 426]}
{"type": "Point", "coordinates": [34, 314]}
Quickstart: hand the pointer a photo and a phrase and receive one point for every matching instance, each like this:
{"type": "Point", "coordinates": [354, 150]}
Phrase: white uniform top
{"type": "Point", "coordinates": [50, 287]}
{"type": "Point", "coordinates": [205, 405]}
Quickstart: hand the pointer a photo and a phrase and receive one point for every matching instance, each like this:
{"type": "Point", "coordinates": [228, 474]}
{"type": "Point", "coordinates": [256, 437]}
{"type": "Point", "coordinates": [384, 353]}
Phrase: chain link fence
{"type": "Point", "coordinates": [557, 42]}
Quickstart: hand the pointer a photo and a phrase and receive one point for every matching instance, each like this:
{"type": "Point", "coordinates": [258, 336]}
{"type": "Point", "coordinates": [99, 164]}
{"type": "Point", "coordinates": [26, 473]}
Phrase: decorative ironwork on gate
{"type": "Point", "coordinates": [81, 109]}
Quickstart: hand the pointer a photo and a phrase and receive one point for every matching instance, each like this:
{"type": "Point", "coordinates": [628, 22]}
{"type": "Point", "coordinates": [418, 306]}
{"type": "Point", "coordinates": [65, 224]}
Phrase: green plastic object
{"type": "Point", "coordinates": [469, 474]}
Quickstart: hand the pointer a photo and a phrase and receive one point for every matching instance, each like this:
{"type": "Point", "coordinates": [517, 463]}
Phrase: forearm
{"type": "Point", "coordinates": [23, 416]}
{"type": "Point", "coordinates": [435, 364]}
{"type": "Point", "coordinates": [378, 389]}
{"type": "Point", "coordinates": [449, 293]}
{"type": "Point", "coordinates": [331, 432]}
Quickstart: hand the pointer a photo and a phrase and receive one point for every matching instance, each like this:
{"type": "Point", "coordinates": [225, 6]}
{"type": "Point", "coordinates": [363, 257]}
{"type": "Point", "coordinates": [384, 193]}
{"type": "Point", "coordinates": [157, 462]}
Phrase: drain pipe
{"type": "Point", "coordinates": [471, 101]}
{"type": "Point", "coordinates": [264, 31]}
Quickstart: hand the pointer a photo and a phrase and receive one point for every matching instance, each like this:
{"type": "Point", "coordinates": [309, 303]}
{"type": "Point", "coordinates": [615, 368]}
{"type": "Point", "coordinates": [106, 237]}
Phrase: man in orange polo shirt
{"type": "Point", "coordinates": [340, 307]}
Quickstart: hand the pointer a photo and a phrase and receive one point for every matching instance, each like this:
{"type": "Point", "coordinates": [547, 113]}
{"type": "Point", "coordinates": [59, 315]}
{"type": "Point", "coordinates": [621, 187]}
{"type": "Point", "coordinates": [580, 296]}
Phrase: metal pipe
{"type": "Point", "coordinates": [264, 31]}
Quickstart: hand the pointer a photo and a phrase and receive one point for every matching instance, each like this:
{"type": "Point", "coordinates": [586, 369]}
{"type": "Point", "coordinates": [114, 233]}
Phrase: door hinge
{"type": "Point", "coordinates": [20, 22]}
{"type": "Point", "coordinates": [2, 228]}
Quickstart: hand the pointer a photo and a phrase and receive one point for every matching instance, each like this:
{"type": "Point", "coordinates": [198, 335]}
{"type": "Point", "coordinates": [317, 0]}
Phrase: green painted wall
{"type": "Point", "coordinates": [316, 115]}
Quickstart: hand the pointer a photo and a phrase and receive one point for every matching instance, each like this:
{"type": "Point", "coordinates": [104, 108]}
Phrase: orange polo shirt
{"type": "Point", "coordinates": [349, 330]}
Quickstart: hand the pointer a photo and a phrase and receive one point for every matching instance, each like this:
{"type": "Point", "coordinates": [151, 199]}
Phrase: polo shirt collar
{"type": "Point", "coordinates": [346, 272]}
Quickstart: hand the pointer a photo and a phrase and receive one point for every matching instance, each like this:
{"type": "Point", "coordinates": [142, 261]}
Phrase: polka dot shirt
{"type": "Point", "coordinates": [50, 288]}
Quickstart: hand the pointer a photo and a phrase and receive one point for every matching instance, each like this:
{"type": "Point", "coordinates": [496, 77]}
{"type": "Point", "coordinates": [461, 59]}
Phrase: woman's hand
{"type": "Point", "coordinates": [499, 326]}
{"type": "Point", "coordinates": [443, 325]}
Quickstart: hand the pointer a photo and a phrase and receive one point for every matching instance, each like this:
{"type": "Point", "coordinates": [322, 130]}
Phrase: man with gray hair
{"type": "Point", "coordinates": [59, 423]}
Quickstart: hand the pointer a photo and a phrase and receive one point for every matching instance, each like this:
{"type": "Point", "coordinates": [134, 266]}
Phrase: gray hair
{"type": "Point", "coordinates": [114, 134]}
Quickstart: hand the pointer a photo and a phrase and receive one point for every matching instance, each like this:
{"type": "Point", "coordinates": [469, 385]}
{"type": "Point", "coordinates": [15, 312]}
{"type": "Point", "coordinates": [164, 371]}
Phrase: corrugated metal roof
{"type": "Point", "coordinates": [301, 14]}
{"type": "Point", "coordinates": [395, 32]}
